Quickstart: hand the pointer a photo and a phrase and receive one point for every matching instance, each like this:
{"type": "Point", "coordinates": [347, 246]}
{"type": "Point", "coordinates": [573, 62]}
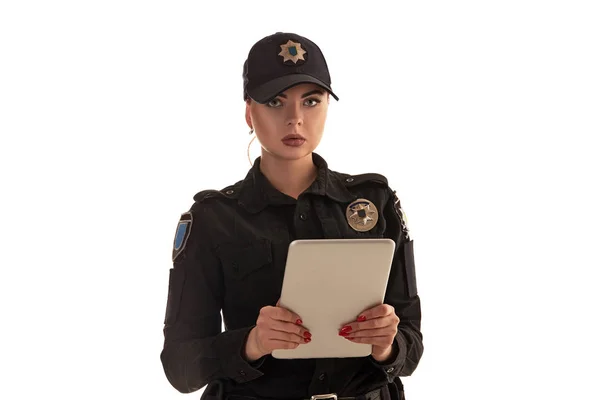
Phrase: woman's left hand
{"type": "Point", "coordinates": [376, 326]}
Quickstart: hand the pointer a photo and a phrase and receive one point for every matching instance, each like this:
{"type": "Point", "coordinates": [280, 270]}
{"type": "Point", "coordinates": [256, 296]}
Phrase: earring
{"type": "Point", "coordinates": [251, 131]}
{"type": "Point", "coordinates": [249, 144]}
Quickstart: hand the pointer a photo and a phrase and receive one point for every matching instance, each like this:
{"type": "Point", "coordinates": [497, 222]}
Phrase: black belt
{"type": "Point", "coordinates": [376, 394]}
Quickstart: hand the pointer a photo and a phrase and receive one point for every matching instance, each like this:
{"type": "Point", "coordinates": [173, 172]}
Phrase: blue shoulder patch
{"type": "Point", "coordinates": [184, 227]}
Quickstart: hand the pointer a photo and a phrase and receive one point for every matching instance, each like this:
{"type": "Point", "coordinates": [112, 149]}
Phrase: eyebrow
{"type": "Point", "coordinates": [316, 91]}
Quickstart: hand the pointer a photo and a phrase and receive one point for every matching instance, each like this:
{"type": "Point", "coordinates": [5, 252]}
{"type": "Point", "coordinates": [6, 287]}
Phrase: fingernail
{"type": "Point", "coordinates": [306, 340]}
{"type": "Point", "coordinates": [298, 322]}
{"type": "Point", "coordinates": [307, 335]}
{"type": "Point", "coordinates": [361, 318]}
{"type": "Point", "coordinates": [342, 333]}
{"type": "Point", "coordinates": [347, 328]}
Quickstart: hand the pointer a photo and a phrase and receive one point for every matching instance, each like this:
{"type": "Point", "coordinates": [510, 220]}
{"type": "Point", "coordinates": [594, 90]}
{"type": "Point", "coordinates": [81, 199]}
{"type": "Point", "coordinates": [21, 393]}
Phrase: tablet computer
{"type": "Point", "coordinates": [329, 282]}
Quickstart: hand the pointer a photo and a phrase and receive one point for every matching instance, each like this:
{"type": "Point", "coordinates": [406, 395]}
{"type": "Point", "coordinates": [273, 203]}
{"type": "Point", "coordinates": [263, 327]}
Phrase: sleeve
{"type": "Point", "coordinates": [195, 350]}
{"type": "Point", "coordinates": [401, 293]}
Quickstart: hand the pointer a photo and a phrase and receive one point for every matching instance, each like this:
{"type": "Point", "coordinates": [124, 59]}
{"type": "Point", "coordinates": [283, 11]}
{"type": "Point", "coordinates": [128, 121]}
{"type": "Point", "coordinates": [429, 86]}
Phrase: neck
{"type": "Point", "coordinates": [291, 177]}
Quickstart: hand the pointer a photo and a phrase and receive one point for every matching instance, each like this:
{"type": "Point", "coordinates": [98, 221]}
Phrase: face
{"type": "Point", "coordinates": [291, 125]}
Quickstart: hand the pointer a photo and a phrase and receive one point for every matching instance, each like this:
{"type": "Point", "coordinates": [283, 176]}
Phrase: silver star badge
{"type": "Point", "coordinates": [362, 215]}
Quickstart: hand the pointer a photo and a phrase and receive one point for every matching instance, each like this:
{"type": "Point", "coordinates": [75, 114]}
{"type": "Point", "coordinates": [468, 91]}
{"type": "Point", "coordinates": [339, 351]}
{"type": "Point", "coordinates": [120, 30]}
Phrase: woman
{"type": "Point", "coordinates": [230, 250]}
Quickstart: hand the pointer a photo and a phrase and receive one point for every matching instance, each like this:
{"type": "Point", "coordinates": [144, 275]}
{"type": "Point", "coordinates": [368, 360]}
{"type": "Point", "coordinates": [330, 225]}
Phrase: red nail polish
{"type": "Point", "coordinates": [298, 322]}
{"type": "Point", "coordinates": [361, 318]}
{"type": "Point", "coordinates": [307, 335]}
{"type": "Point", "coordinates": [342, 333]}
{"type": "Point", "coordinates": [306, 340]}
{"type": "Point", "coordinates": [346, 329]}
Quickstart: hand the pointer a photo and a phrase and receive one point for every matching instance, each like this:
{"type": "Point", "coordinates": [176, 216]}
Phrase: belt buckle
{"type": "Point", "coordinates": [332, 396]}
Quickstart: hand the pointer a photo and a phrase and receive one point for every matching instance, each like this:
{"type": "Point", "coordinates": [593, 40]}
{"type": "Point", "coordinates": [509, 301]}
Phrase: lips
{"type": "Point", "coordinates": [293, 140]}
{"type": "Point", "coordinates": [294, 136]}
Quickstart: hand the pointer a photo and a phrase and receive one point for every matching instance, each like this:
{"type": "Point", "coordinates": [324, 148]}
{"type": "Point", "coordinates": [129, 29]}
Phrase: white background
{"type": "Point", "coordinates": [484, 116]}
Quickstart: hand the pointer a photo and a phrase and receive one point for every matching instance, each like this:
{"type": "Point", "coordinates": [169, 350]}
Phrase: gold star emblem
{"type": "Point", "coordinates": [292, 51]}
{"type": "Point", "coordinates": [362, 215]}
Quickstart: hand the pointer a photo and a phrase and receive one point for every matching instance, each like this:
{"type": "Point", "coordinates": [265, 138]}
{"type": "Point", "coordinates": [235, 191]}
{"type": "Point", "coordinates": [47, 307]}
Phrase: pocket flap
{"type": "Point", "coordinates": [242, 258]}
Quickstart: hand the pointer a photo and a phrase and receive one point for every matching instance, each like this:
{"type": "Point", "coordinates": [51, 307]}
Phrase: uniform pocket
{"type": "Point", "coordinates": [250, 277]}
{"type": "Point", "coordinates": [409, 266]}
{"type": "Point", "coordinates": [241, 260]}
{"type": "Point", "coordinates": [176, 280]}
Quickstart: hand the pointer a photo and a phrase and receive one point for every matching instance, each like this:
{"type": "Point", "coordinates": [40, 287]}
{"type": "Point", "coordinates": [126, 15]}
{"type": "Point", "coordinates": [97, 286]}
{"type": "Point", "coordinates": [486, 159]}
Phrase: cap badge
{"type": "Point", "coordinates": [362, 215]}
{"type": "Point", "coordinates": [292, 51]}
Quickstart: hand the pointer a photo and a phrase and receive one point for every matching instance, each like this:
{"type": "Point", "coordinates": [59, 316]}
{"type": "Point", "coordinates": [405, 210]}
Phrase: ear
{"type": "Point", "coordinates": [248, 115]}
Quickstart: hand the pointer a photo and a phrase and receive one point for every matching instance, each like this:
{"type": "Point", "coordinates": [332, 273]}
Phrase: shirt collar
{"type": "Point", "coordinates": [256, 192]}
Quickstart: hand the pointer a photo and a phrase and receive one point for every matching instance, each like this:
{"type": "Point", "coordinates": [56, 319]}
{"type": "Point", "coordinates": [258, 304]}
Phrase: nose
{"type": "Point", "coordinates": [294, 115]}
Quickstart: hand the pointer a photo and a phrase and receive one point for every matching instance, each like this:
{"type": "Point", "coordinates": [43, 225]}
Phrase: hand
{"type": "Point", "coordinates": [376, 326]}
{"type": "Point", "coordinates": [276, 328]}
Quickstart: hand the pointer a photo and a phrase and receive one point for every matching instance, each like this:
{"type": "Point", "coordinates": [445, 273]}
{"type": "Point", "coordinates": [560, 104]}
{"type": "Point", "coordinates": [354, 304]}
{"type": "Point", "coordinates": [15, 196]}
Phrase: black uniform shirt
{"type": "Point", "coordinates": [234, 260]}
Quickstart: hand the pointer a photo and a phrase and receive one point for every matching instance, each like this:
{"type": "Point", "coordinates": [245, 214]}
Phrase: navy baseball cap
{"type": "Point", "coordinates": [280, 61]}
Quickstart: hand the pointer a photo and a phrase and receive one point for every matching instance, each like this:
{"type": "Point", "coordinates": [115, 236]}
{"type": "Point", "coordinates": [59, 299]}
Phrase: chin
{"type": "Point", "coordinates": [290, 153]}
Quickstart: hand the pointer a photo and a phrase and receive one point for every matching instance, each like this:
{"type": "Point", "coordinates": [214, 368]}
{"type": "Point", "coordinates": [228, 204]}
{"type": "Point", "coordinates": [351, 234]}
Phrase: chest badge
{"type": "Point", "coordinates": [362, 215]}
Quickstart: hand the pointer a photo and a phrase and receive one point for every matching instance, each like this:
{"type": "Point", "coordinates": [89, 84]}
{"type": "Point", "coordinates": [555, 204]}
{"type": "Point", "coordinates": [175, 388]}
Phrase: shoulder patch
{"type": "Point", "coordinates": [182, 233]}
{"type": "Point", "coordinates": [401, 215]}
{"type": "Point", "coordinates": [354, 180]}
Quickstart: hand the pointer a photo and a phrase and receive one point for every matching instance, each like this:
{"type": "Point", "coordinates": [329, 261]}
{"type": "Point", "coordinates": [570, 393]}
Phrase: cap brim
{"type": "Point", "coordinates": [268, 91]}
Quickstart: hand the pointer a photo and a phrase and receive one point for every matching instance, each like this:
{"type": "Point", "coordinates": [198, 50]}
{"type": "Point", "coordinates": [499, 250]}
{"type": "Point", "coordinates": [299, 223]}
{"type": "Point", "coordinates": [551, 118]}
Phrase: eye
{"type": "Point", "coordinates": [274, 103]}
{"type": "Point", "coordinates": [312, 102]}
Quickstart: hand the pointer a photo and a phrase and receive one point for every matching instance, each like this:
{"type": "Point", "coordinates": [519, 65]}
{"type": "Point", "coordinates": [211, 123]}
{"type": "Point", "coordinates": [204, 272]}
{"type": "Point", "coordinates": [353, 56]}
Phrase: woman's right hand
{"type": "Point", "coordinates": [276, 328]}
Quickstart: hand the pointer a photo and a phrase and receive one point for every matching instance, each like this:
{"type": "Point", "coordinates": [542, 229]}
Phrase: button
{"type": "Point", "coordinates": [349, 180]}
{"type": "Point", "coordinates": [390, 370]}
{"type": "Point", "coordinates": [303, 217]}
{"type": "Point", "coordinates": [229, 191]}
{"type": "Point", "coordinates": [242, 373]}
{"type": "Point", "coordinates": [322, 377]}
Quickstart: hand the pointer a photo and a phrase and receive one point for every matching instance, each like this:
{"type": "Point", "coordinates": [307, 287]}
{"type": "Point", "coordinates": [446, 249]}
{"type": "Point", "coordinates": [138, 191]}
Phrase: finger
{"type": "Point", "coordinates": [288, 327]}
{"type": "Point", "coordinates": [297, 319]}
{"type": "Point", "coordinates": [382, 341]}
{"type": "Point", "coordinates": [387, 331]}
{"type": "Point", "coordinates": [286, 337]}
{"type": "Point", "coordinates": [283, 314]}
{"type": "Point", "coordinates": [281, 344]}
{"type": "Point", "coordinates": [380, 310]}
{"type": "Point", "coordinates": [376, 323]}
{"type": "Point", "coordinates": [266, 321]}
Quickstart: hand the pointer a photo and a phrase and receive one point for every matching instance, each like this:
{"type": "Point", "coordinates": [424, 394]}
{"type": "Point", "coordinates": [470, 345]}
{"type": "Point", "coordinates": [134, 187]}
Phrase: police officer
{"type": "Point", "coordinates": [230, 250]}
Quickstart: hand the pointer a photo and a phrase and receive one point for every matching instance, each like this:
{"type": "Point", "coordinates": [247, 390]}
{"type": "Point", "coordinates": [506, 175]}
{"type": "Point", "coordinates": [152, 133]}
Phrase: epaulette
{"type": "Point", "coordinates": [353, 180]}
{"type": "Point", "coordinates": [206, 194]}
{"type": "Point", "coordinates": [230, 192]}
